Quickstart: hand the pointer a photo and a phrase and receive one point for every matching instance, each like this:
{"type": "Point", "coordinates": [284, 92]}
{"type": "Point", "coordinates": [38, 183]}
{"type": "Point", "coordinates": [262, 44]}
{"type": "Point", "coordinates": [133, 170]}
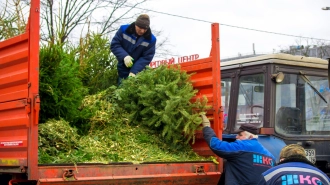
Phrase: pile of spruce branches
{"type": "Point", "coordinates": [147, 118]}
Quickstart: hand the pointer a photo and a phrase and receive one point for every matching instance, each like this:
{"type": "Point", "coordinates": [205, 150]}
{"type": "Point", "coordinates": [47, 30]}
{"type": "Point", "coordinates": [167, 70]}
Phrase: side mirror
{"type": "Point", "coordinates": [278, 77]}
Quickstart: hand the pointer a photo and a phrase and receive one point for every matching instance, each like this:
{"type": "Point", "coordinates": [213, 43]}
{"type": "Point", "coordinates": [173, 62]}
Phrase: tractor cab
{"type": "Point", "coordinates": [287, 97]}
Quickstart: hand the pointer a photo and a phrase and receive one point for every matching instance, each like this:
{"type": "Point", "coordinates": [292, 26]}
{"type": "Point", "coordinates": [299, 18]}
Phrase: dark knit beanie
{"type": "Point", "coordinates": [143, 21]}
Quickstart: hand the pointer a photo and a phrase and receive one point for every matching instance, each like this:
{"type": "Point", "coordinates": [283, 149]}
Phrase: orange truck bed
{"type": "Point", "coordinates": [19, 112]}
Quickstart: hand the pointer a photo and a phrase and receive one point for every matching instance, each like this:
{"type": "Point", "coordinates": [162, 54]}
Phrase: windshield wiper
{"type": "Point", "coordinates": [249, 102]}
{"type": "Point", "coordinates": [304, 77]}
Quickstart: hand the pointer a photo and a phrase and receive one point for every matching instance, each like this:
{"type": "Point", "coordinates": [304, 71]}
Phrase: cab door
{"type": "Point", "coordinates": [248, 97]}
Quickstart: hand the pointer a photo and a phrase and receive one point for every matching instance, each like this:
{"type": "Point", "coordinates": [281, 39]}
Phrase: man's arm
{"type": "Point", "coordinates": [145, 59]}
{"type": "Point", "coordinates": [222, 148]}
{"type": "Point", "coordinates": [116, 47]}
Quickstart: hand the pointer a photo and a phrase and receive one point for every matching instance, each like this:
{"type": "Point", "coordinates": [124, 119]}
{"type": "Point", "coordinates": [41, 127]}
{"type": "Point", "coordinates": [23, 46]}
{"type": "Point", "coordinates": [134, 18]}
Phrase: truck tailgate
{"type": "Point", "coordinates": [153, 173]}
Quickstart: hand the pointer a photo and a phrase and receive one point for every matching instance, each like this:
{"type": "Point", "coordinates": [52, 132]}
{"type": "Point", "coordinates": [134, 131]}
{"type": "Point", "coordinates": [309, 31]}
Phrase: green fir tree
{"type": "Point", "coordinates": [160, 99]}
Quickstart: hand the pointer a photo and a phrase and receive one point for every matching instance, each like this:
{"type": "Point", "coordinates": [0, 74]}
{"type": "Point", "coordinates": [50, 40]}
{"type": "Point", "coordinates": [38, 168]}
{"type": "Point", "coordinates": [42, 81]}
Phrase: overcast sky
{"type": "Point", "coordinates": [294, 17]}
{"type": "Point", "coordinates": [186, 37]}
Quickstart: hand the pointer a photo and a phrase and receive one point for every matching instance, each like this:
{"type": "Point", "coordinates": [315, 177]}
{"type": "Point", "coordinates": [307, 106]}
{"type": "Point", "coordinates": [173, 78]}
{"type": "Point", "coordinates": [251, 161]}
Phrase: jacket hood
{"type": "Point", "coordinates": [296, 158]}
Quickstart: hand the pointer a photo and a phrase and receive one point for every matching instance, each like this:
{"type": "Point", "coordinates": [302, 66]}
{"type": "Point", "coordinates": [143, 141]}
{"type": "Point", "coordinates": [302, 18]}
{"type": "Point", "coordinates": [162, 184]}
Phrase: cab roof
{"type": "Point", "coordinates": [280, 58]}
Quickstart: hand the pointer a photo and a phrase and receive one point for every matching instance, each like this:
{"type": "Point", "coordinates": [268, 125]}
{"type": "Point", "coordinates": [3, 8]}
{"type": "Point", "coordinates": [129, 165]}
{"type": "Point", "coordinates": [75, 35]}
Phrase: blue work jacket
{"type": "Point", "coordinates": [141, 49]}
{"type": "Point", "coordinates": [246, 159]}
{"type": "Point", "coordinates": [294, 172]}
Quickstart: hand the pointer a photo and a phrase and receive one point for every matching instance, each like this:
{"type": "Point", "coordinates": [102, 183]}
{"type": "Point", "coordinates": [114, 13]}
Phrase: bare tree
{"type": "Point", "coordinates": [308, 48]}
{"type": "Point", "coordinates": [63, 17]}
{"type": "Point", "coordinates": [162, 50]}
{"type": "Point", "coordinates": [125, 7]}
{"type": "Point", "coordinates": [323, 49]}
{"type": "Point", "coordinates": [63, 20]}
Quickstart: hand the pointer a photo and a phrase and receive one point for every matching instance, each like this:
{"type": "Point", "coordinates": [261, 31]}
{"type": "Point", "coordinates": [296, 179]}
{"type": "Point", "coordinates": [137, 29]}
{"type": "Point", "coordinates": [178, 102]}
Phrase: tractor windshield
{"type": "Point", "coordinates": [302, 106]}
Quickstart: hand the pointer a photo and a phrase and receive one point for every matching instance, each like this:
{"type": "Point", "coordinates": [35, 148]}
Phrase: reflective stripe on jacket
{"type": "Point", "coordinates": [294, 173]}
{"type": "Point", "coordinates": [141, 49]}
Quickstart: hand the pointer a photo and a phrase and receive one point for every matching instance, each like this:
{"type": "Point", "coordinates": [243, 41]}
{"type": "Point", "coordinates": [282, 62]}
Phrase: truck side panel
{"type": "Point", "coordinates": [14, 119]}
{"type": "Point", "coordinates": [207, 79]}
{"type": "Point", "coordinates": [19, 100]}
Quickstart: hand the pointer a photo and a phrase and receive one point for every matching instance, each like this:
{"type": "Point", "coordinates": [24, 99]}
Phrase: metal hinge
{"type": "Point", "coordinates": [68, 175]}
{"type": "Point", "coordinates": [199, 169]}
{"type": "Point", "coordinates": [28, 105]}
{"type": "Point", "coordinates": [36, 107]}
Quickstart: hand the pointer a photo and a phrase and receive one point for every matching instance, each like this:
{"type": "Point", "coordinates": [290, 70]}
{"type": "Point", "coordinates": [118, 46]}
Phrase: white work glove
{"type": "Point", "coordinates": [131, 74]}
{"type": "Point", "coordinates": [206, 121]}
{"type": "Point", "coordinates": [128, 60]}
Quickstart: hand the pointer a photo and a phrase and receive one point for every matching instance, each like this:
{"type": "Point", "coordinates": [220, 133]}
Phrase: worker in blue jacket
{"type": "Point", "coordinates": [294, 169]}
{"type": "Point", "coordinates": [246, 158]}
{"type": "Point", "coordinates": [134, 47]}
